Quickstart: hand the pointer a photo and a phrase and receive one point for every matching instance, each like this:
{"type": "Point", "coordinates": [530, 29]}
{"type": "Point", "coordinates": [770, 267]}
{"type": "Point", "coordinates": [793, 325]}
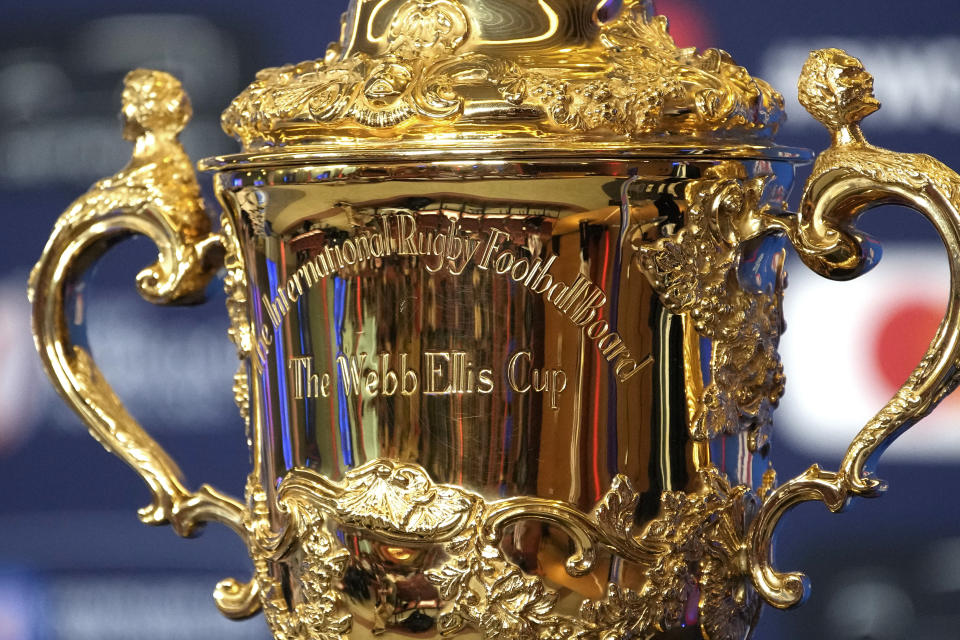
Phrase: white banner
{"type": "Point", "coordinates": [850, 345]}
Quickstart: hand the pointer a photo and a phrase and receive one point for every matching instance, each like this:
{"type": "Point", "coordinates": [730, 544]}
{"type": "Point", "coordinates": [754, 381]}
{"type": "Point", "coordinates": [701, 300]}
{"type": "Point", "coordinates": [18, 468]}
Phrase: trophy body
{"type": "Point", "coordinates": [505, 284]}
{"type": "Point", "coordinates": [472, 374]}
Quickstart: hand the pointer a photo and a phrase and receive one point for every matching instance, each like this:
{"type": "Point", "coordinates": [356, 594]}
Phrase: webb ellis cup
{"type": "Point", "coordinates": [505, 281]}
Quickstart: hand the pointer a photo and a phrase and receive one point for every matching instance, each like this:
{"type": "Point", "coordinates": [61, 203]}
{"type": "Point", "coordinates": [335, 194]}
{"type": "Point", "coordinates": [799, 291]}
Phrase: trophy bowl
{"type": "Point", "coordinates": [505, 281]}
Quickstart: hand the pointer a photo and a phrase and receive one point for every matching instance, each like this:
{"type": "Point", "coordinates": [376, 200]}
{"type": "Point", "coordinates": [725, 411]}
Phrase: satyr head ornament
{"type": "Point", "coordinates": [154, 101]}
{"type": "Point", "coordinates": [836, 89]}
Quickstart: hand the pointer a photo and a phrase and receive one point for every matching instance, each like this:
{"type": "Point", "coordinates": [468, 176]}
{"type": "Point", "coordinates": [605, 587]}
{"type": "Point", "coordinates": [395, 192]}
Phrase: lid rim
{"type": "Point", "coordinates": [331, 155]}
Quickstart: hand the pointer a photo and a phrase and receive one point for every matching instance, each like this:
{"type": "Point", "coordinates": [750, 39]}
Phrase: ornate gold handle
{"type": "Point", "coordinates": [157, 196]}
{"type": "Point", "coordinates": [849, 178]}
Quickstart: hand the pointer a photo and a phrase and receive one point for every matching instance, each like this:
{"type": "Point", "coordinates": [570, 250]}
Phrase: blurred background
{"type": "Point", "coordinates": [75, 563]}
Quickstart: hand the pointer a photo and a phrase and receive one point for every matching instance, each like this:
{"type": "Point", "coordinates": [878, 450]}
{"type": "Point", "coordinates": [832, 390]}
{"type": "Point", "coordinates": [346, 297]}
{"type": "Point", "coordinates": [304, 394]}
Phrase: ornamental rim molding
{"type": "Point", "coordinates": [692, 551]}
{"type": "Point", "coordinates": [431, 76]}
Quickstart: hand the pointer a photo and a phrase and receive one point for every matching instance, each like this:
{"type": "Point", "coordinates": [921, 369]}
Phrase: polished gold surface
{"type": "Point", "coordinates": [157, 196]}
{"type": "Point", "coordinates": [505, 280]}
{"type": "Point", "coordinates": [695, 271]}
{"type": "Point", "coordinates": [849, 178]}
{"type": "Point", "coordinates": [409, 72]}
{"type": "Point", "coordinates": [427, 338]}
{"type": "Point", "coordinates": [490, 593]}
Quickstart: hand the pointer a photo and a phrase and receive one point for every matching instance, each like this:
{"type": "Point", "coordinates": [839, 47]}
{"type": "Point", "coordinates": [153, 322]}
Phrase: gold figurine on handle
{"type": "Point", "coordinates": [505, 281]}
{"type": "Point", "coordinates": [848, 178]}
{"type": "Point", "coordinates": [157, 196]}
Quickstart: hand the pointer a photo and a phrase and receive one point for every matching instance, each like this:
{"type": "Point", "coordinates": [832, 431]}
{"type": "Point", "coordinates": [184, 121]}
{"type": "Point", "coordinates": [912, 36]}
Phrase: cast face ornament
{"type": "Point", "coordinates": [505, 284]}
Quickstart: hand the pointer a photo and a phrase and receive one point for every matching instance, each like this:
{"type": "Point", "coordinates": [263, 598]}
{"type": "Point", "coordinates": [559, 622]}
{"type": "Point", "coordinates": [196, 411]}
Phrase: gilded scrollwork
{"type": "Point", "coordinates": [490, 594]}
{"type": "Point", "coordinates": [616, 511]}
{"type": "Point", "coordinates": [404, 501]}
{"type": "Point", "coordinates": [156, 195]}
{"type": "Point", "coordinates": [240, 330]}
{"type": "Point", "coordinates": [431, 71]}
{"type": "Point", "coordinates": [696, 272]}
{"type": "Point", "coordinates": [693, 552]}
{"type": "Point", "coordinates": [700, 535]}
{"type": "Point", "coordinates": [320, 614]}
{"type": "Point", "coordinates": [850, 177]}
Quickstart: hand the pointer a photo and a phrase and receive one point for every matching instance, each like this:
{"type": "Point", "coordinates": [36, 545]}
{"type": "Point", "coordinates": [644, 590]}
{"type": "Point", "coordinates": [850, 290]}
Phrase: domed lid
{"type": "Point", "coordinates": [503, 72]}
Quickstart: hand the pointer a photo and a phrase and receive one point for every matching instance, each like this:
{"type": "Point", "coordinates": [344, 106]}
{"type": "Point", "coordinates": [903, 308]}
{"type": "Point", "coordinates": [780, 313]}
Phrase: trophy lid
{"type": "Point", "coordinates": [504, 73]}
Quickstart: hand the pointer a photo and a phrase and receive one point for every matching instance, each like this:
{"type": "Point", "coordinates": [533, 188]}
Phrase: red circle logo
{"type": "Point", "coordinates": [902, 337]}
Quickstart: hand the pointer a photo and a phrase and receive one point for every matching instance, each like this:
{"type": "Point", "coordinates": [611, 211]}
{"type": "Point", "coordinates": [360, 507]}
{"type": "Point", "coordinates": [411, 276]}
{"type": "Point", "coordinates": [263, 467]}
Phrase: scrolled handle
{"type": "Point", "coordinates": [849, 178]}
{"type": "Point", "coordinates": [156, 196]}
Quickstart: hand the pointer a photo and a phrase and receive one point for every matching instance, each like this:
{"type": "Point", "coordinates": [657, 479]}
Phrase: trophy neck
{"type": "Point", "coordinates": [505, 26]}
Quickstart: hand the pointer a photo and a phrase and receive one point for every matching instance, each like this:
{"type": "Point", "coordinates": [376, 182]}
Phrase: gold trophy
{"type": "Point", "coordinates": [505, 283]}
